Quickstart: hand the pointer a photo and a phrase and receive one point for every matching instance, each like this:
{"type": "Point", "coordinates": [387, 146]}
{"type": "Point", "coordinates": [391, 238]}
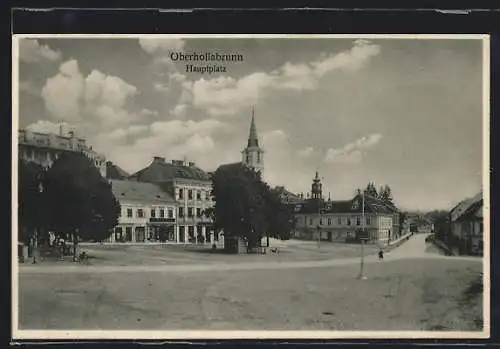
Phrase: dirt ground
{"type": "Point", "coordinates": [411, 294]}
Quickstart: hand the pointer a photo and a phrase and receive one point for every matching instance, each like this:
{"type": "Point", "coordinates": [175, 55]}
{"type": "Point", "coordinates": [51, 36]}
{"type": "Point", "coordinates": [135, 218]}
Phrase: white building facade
{"type": "Point", "coordinates": [191, 189]}
{"type": "Point", "coordinates": [148, 214]}
{"type": "Point", "coordinates": [45, 148]}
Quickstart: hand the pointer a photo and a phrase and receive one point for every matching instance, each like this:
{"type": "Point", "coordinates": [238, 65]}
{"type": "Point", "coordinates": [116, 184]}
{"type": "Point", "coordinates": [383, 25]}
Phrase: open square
{"type": "Point", "coordinates": [409, 291]}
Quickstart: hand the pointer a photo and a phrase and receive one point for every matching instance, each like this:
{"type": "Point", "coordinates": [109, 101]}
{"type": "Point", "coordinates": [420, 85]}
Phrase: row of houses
{"type": "Point", "coordinates": [462, 229]}
{"type": "Point", "coordinates": [164, 202]}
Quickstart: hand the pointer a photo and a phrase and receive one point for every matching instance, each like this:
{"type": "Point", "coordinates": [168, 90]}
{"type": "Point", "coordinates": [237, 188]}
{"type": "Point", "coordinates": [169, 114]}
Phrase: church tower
{"type": "Point", "coordinates": [316, 188]}
{"type": "Point", "coordinates": [253, 155]}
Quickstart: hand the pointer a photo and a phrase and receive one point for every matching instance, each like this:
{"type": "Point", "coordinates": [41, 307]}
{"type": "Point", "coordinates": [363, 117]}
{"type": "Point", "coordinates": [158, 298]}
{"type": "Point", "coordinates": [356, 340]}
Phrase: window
{"type": "Point", "coordinates": [329, 221]}
{"type": "Point", "coordinates": [190, 212]}
{"type": "Point", "coordinates": [170, 213]}
{"type": "Point", "coordinates": [162, 213]}
{"type": "Point", "coordinates": [153, 213]}
{"type": "Point", "coordinates": [339, 220]}
{"type": "Point", "coordinates": [247, 158]}
{"type": "Point", "coordinates": [190, 194]}
{"type": "Point", "coordinates": [368, 220]}
{"type": "Point", "coordinates": [321, 221]}
{"type": "Point", "coordinates": [198, 212]}
{"type": "Point", "coordinates": [129, 212]}
{"type": "Point", "coordinates": [181, 193]}
{"type": "Point", "coordinates": [358, 221]}
{"type": "Point", "coordinates": [140, 212]}
{"type": "Point", "coordinates": [348, 220]}
{"type": "Point", "coordinates": [181, 211]}
{"type": "Point", "coordinates": [258, 157]}
{"type": "Point", "coordinates": [198, 195]}
{"type": "Point", "coordinates": [207, 195]}
{"type": "Point", "coordinates": [480, 228]}
{"type": "Point", "coordinates": [310, 221]}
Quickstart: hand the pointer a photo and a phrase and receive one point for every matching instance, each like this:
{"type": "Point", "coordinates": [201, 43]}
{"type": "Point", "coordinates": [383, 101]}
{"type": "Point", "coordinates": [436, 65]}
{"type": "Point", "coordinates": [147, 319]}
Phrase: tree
{"type": "Point", "coordinates": [30, 202]}
{"type": "Point", "coordinates": [80, 201]}
{"type": "Point", "coordinates": [385, 195]}
{"type": "Point", "coordinates": [371, 190]}
{"type": "Point", "coordinates": [279, 215]}
{"type": "Point", "coordinates": [245, 206]}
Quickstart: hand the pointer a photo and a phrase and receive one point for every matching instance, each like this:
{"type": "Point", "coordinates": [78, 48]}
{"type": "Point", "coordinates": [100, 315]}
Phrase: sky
{"type": "Point", "coordinates": [401, 112]}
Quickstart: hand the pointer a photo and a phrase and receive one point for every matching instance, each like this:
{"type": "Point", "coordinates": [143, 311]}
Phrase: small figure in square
{"type": "Point", "coordinates": [381, 255]}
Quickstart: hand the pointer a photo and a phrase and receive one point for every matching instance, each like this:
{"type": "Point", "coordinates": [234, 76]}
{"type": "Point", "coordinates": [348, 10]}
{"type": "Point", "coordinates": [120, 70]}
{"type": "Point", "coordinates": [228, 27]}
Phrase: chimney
{"type": "Point", "coordinates": [191, 164]}
{"type": "Point", "coordinates": [71, 134]}
{"type": "Point", "coordinates": [158, 159]}
{"type": "Point", "coordinates": [109, 163]}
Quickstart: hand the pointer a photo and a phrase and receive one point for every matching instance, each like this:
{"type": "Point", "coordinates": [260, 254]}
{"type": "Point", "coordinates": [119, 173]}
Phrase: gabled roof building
{"type": "Point", "coordinates": [148, 214]}
{"type": "Point", "coordinates": [342, 220]}
{"type": "Point", "coordinates": [467, 225]}
{"type": "Point", "coordinates": [190, 186]}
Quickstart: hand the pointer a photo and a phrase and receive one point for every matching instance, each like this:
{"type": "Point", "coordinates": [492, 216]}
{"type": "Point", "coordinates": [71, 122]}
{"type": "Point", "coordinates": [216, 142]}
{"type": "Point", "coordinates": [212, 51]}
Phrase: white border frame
{"type": "Point", "coordinates": [197, 334]}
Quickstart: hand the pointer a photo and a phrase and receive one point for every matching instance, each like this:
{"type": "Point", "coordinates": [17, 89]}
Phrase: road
{"type": "Point", "coordinates": [414, 248]}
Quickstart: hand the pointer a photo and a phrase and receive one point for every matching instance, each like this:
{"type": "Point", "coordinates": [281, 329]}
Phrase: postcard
{"type": "Point", "coordinates": [250, 186]}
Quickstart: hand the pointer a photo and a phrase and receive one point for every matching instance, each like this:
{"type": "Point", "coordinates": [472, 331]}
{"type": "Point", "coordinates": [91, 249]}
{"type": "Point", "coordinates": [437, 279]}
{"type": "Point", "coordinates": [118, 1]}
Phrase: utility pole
{"type": "Point", "coordinates": [362, 275]}
{"type": "Point", "coordinates": [319, 223]}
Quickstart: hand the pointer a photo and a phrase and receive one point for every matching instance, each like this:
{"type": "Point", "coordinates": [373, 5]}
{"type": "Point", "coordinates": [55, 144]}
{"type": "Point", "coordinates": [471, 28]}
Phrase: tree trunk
{"type": "Point", "coordinates": [75, 246]}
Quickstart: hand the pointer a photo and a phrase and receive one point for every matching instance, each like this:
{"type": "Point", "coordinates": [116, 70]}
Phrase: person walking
{"type": "Point", "coordinates": [381, 255]}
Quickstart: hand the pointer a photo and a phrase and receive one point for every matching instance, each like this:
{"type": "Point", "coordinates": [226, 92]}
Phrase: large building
{"type": "Point", "coordinates": [317, 218]}
{"type": "Point", "coordinates": [190, 186]}
{"type": "Point", "coordinates": [45, 148]}
{"type": "Point", "coordinates": [148, 214]}
{"type": "Point", "coordinates": [253, 154]}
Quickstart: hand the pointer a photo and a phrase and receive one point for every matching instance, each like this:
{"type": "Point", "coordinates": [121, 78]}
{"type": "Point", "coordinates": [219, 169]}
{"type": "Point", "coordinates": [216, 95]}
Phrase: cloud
{"type": "Point", "coordinates": [351, 153]}
{"type": "Point", "coordinates": [62, 93]}
{"type": "Point", "coordinates": [161, 46]}
{"type": "Point", "coordinates": [134, 146]}
{"type": "Point", "coordinates": [97, 99]}
{"type": "Point", "coordinates": [180, 110]}
{"type": "Point", "coordinates": [147, 112]}
{"type": "Point", "coordinates": [161, 87]}
{"type": "Point", "coordinates": [45, 126]}
{"type": "Point", "coordinates": [29, 87]}
{"type": "Point", "coordinates": [31, 51]}
{"type": "Point", "coordinates": [353, 59]}
{"type": "Point", "coordinates": [225, 95]}
{"type": "Point", "coordinates": [306, 152]}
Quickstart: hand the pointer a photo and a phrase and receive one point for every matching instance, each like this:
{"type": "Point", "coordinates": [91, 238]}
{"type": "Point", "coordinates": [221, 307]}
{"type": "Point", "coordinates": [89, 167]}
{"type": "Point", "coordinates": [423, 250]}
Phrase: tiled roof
{"type": "Point", "coordinates": [355, 205]}
{"type": "Point", "coordinates": [286, 196]}
{"type": "Point", "coordinates": [115, 172]}
{"type": "Point", "coordinates": [160, 171]}
{"type": "Point", "coordinates": [465, 206]}
{"type": "Point", "coordinates": [138, 191]}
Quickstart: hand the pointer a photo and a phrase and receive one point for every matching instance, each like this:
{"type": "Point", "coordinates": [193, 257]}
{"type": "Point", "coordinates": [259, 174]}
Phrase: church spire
{"type": "Point", "coordinates": [253, 141]}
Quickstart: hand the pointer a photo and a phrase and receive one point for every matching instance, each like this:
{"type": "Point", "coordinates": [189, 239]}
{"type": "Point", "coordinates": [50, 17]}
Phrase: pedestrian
{"type": "Point", "coordinates": [381, 255]}
{"type": "Point", "coordinates": [61, 247]}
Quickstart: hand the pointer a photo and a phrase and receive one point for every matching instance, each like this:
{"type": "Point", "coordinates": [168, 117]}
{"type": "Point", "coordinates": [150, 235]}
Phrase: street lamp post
{"type": "Point", "coordinates": [362, 275]}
